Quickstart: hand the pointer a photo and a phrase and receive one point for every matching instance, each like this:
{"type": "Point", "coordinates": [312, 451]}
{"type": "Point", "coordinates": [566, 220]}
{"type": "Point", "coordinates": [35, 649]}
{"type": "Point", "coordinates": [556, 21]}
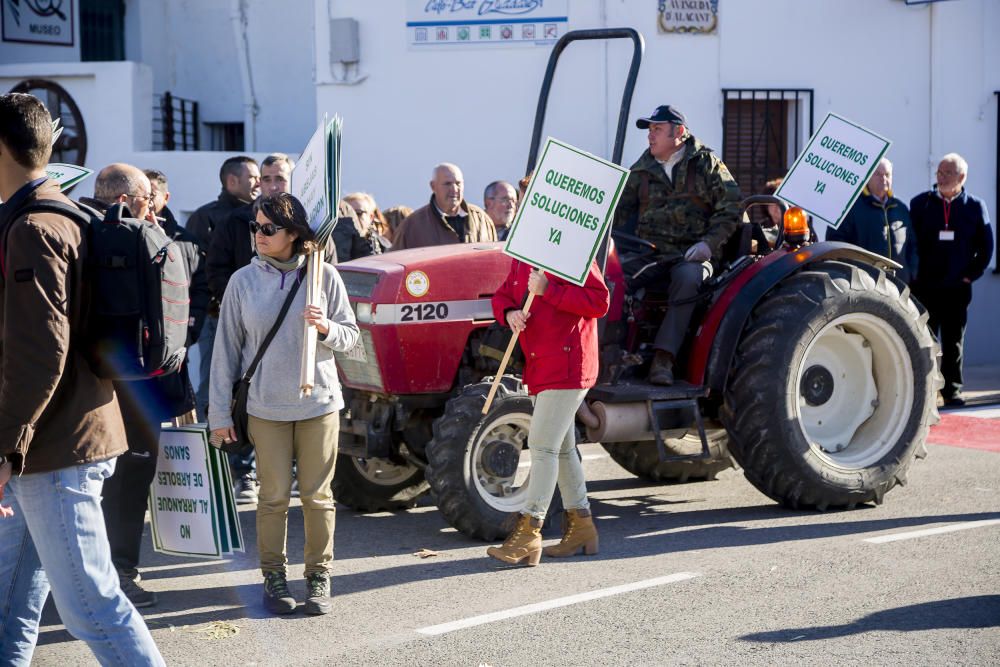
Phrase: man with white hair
{"type": "Point", "coordinates": [447, 218]}
{"type": "Point", "coordinates": [955, 244]}
{"type": "Point", "coordinates": [880, 223]}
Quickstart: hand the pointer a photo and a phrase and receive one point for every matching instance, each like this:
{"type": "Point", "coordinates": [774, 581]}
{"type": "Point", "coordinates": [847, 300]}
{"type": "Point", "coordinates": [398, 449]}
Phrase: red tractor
{"type": "Point", "coordinates": [812, 367]}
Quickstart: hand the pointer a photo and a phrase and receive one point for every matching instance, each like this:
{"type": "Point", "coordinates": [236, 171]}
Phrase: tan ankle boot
{"type": "Point", "coordinates": [524, 544]}
{"type": "Point", "coordinates": [578, 531]}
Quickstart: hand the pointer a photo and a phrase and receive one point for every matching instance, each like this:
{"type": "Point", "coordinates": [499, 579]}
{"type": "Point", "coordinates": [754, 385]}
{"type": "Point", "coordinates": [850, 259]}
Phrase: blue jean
{"type": "Point", "coordinates": [206, 341]}
{"type": "Point", "coordinates": [56, 540]}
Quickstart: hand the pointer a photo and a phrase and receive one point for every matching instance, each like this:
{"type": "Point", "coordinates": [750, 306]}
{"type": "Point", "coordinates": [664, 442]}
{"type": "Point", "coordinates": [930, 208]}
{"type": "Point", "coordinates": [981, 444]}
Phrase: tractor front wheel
{"type": "Point", "coordinates": [377, 485]}
{"type": "Point", "coordinates": [478, 465]}
{"type": "Point", "coordinates": [643, 460]}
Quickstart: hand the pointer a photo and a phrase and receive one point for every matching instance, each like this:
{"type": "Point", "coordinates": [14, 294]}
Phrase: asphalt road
{"type": "Point", "coordinates": [702, 573]}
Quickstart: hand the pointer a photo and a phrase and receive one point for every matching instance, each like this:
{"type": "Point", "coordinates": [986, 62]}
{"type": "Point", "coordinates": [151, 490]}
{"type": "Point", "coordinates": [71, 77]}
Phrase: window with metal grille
{"type": "Point", "coordinates": [175, 123]}
{"type": "Point", "coordinates": [763, 131]}
{"type": "Point", "coordinates": [102, 30]}
{"type": "Point", "coordinates": [225, 136]}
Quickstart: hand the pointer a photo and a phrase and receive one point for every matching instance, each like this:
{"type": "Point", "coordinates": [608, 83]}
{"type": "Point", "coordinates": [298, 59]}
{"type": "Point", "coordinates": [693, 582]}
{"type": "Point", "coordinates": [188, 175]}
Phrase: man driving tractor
{"type": "Point", "coordinates": [684, 200]}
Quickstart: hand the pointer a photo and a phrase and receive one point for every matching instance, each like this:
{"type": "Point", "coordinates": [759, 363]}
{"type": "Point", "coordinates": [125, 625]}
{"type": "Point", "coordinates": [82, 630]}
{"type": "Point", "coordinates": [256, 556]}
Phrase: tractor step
{"type": "Point", "coordinates": [640, 390]}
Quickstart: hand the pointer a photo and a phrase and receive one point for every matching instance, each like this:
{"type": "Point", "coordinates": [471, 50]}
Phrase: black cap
{"type": "Point", "coordinates": [663, 114]}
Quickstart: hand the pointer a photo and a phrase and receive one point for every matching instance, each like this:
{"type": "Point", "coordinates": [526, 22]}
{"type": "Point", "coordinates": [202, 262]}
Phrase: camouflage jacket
{"type": "Point", "coordinates": [702, 203]}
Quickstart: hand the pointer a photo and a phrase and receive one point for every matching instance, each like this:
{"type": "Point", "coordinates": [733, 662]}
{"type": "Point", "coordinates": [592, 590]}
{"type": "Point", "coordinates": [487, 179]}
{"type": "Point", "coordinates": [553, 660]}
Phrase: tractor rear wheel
{"type": "Point", "coordinates": [377, 485]}
{"type": "Point", "coordinates": [643, 460]}
{"type": "Point", "coordinates": [478, 465]}
{"type": "Point", "coordinates": [833, 387]}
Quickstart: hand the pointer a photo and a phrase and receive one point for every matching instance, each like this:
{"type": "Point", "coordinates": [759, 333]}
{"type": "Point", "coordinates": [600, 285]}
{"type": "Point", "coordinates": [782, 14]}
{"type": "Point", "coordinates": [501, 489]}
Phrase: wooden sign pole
{"type": "Point", "coordinates": [506, 358]}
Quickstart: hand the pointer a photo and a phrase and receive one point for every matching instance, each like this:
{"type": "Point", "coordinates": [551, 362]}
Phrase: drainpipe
{"type": "Point", "coordinates": [251, 109]}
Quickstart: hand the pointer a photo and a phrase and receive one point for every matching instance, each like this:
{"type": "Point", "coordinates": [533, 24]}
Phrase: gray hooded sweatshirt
{"type": "Point", "coordinates": [249, 309]}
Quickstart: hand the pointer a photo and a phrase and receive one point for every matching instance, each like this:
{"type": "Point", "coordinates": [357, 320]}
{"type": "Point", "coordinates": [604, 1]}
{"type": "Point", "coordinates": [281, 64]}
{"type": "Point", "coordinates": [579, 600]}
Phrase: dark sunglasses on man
{"type": "Point", "coordinates": [267, 229]}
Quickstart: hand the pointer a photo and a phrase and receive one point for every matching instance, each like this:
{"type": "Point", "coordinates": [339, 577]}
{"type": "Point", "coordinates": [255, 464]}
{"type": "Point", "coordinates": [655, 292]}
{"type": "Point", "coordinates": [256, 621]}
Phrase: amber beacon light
{"type": "Point", "coordinates": [796, 226]}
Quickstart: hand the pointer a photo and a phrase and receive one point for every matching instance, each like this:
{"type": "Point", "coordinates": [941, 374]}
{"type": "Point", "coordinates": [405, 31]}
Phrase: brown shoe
{"type": "Point", "coordinates": [579, 532]}
{"type": "Point", "coordinates": [662, 369]}
{"type": "Point", "coordinates": [523, 545]}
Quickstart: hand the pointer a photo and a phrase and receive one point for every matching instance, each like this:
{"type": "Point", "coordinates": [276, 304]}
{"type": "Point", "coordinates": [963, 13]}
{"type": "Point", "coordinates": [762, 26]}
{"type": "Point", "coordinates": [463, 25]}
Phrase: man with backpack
{"type": "Point", "coordinates": [60, 426]}
{"type": "Point", "coordinates": [144, 403]}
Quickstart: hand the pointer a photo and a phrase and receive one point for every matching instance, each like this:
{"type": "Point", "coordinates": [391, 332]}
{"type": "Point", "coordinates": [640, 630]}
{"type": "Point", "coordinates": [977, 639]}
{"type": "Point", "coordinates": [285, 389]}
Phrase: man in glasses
{"type": "Point", "coordinates": [500, 202]}
{"type": "Point", "coordinates": [145, 404]}
{"type": "Point", "coordinates": [447, 218]}
{"type": "Point", "coordinates": [954, 247]}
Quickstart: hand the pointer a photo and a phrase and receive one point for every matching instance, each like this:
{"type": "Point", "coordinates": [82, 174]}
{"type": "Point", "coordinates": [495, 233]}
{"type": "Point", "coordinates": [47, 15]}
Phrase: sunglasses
{"type": "Point", "coordinates": [267, 229]}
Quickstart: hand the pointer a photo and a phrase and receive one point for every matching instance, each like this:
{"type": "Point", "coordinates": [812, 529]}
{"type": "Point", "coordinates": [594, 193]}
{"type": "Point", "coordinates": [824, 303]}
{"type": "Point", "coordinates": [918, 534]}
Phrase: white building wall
{"type": "Point", "coordinates": [922, 75]}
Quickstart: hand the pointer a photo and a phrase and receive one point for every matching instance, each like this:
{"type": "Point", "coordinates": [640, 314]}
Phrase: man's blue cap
{"type": "Point", "coordinates": [663, 114]}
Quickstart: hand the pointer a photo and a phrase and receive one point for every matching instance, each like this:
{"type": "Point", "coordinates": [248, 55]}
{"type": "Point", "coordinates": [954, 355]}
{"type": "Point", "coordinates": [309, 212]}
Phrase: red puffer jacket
{"type": "Point", "coordinates": [560, 340]}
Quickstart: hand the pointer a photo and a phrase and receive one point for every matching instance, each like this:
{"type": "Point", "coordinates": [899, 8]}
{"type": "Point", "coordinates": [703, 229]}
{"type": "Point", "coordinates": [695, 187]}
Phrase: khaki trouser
{"type": "Point", "coordinates": [313, 444]}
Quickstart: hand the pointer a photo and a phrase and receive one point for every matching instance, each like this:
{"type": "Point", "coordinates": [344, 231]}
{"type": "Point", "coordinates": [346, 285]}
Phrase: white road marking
{"type": "Point", "coordinates": [913, 534]}
{"type": "Point", "coordinates": [984, 412]}
{"type": "Point", "coordinates": [444, 628]}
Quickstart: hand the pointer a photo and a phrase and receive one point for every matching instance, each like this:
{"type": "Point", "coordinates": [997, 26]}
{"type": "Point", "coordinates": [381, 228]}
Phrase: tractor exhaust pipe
{"type": "Point", "coordinates": [620, 422]}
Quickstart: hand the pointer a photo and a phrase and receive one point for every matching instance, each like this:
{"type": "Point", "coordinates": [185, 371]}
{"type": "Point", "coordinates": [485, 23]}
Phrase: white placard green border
{"type": "Point", "coordinates": [154, 529]}
{"type": "Point", "coordinates": [582, 278]}
{"type": "Point", "coordinates": [861, 184]}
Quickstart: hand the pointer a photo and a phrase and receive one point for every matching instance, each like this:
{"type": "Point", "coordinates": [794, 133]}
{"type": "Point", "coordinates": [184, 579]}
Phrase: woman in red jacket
{"type": "Point", "coordinates": [559, 339]}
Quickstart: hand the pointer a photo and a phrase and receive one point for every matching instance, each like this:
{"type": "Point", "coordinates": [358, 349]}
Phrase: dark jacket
{"type": "Point", "coordinates": [208, 217]}
{"type": "Point", "coordinates": [948, 263]}
{"type": "Point", "coordinates": [884, 229]}
{"type": "Point", "coordinates": [346, 239]}
{"type": "Point", "coordinates": [168, 396]}
{"type": "Point", "coordinates": [427, 227]}
{"type": "Point", "coordinates": [700, 202]}
{"type": "Point", "coordinates": [54, 412]}
{"type": "Point", "coordinates": [560, 340]}
{"type": "Point", "coordinates": [231, 249]}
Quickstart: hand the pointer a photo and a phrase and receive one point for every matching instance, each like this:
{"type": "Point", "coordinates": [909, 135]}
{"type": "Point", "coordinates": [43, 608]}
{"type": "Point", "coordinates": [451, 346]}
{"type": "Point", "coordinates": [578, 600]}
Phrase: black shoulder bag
{"type": "Point", "coordinates": [241, 388]}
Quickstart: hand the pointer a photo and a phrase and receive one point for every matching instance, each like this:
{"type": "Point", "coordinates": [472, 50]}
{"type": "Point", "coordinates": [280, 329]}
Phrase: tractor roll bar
{"type": "Point", "coordinates": [638, 45]}
{"type": "Point", "coordinates": [756, 200]}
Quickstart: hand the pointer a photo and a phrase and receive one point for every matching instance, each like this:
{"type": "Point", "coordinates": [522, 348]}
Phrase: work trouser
{"type": "Point", "coordinates": [948, 310]}
{"type": "Point", "coordinates": [313, 443]}
{"type": "Point", "coordinates": [126, 492]}
{"type": "Point", "coordinates": [685, 280]}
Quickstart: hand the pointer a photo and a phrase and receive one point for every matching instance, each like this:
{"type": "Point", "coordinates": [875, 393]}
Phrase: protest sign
{"type": "Point", "coordinates": [562, 220]}
{"type": "Point", "coordinates": [309, 179]}
{"type": "Point", "coordinates": [566, 211]}
{"type": "Point", "coordinates": [833, 169]}
{"type": "Point", "coordinates": [192, 510]}
{"type": "Point", "coordinates": [67, 175]}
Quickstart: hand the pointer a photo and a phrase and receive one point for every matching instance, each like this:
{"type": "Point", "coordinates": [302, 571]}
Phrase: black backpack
{"type": "Point", "coordinates": [137, 320]}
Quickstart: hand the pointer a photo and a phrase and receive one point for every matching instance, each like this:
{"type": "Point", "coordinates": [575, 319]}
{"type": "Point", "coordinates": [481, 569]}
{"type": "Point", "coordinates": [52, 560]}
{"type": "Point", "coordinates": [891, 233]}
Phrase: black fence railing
{"type": "Point", "coordinates": [175, 123]}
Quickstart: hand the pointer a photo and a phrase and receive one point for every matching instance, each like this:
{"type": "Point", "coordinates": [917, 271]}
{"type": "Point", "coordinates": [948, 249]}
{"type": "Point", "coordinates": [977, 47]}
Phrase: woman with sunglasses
{"type": "Point", "coordinates": [283, 425]}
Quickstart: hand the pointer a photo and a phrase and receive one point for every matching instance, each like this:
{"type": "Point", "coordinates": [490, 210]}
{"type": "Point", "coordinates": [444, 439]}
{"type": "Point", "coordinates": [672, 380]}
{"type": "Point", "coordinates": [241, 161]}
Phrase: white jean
{"type": "Point", "coordinates": [554, 457]}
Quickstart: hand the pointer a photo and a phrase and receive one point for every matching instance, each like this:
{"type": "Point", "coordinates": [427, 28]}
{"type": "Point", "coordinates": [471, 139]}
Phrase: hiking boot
{"type": "Point", "coordinates": [318, 599]}
{"type": "Point", "coordinates": [662, 369]}
{"type": "Point", "coordinates": [136, 594]}
{"type": "Point", "coordinates": [578, 533]}
{"type": "Point", "coordinates": [246, 490]}
{"type": "Point", "coordinates": [523, 545]}
{"type": "Point", "coordinates": [277, 599]}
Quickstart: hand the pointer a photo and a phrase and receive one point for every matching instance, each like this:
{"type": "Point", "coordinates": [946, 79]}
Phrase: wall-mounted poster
{"type": "Point", "coordinates": [38, 21]}
{"type": "Point", "coordinates": [479, 23]}
{"type": "Point", "coordinates": [688, 16]}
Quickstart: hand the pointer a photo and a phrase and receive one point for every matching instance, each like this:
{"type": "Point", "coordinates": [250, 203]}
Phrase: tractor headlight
{"type": "Point", "coordinates": [363, 312]}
